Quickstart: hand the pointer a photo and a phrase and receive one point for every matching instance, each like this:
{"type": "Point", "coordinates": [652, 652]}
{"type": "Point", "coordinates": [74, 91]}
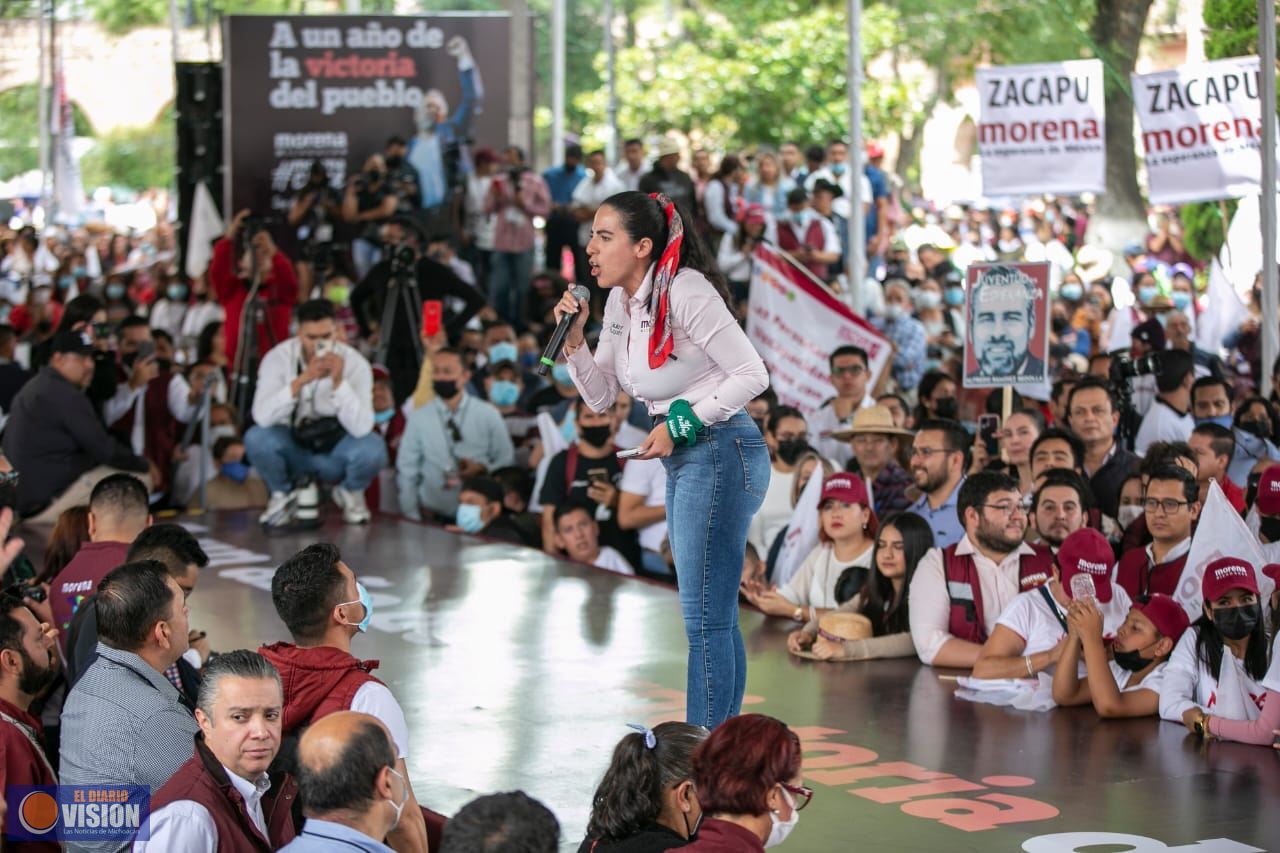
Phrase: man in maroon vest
{"type": "Point", "coordinates": [223, 798]}
{"type": "Point", "coordinates": [1171, 505]}
{"type": "Point", "coordinates": [808, 237]}
{"type": "Point", "coordinates": [958, 592]}
{"type": "Point", "coordinates": [118, 512]}
{"type": "Point", "coordinates": [318, 599]}
{"type": "Point", "coordinates": [28, 664]}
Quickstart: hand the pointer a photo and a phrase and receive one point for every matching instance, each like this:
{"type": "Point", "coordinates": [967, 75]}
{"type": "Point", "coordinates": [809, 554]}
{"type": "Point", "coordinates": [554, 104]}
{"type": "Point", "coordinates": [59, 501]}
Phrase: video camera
{"type": "Point", "coordinates": [403, 260]}
{"type": "Point", "coordinates": [1124, 368]}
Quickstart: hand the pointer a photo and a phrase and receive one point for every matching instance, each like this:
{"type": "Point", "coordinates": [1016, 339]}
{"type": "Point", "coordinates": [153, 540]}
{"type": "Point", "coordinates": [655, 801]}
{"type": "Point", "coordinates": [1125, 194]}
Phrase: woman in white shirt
{"type": "Point", "coordinates": [1217, 668]}
{"type": "Point", "coordinates": [670, 341]}
{"type": "Point", "coordinates": [735, 255]}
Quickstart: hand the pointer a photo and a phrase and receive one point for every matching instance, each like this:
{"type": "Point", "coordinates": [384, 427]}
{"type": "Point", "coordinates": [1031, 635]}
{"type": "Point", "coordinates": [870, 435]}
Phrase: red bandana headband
{"type": "Point", "coordinates": [661, 339]}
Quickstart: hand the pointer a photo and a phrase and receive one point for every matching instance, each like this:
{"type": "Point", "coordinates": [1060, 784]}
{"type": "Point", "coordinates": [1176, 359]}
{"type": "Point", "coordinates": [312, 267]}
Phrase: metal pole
{"type": "Point", "coordinates": [42, 107]}
{"type": "Point", "coordinates": [611, 56]}
{"type": "Point", "coordinates": [175, 28]}
{"type": "Point", "coordinates": [557, 82]}
{"type": "Point", "coordinates": [1270, 297]}
{"type": "Point", "coordinates": [857, 229]}
{"type": "Point", "coordinates": [55, 140]}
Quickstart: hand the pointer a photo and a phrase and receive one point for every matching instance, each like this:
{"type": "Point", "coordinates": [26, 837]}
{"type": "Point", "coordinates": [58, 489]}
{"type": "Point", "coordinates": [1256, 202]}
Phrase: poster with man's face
{"type": "Point", "coordinates": [1006, 312]}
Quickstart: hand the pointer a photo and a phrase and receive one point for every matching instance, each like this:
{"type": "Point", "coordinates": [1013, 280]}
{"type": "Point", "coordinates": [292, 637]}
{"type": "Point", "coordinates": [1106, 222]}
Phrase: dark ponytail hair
{"type": "Point", "coordinates": [630, 794]}
{"type": "Point", "coordinates": [886, 609]}
{"type": "Point", "coordinates": [641, 217]}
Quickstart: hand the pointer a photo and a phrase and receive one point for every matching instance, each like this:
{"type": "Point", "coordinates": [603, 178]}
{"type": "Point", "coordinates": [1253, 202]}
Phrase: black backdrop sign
{"type": "Point", "coordinates": [334, 88]}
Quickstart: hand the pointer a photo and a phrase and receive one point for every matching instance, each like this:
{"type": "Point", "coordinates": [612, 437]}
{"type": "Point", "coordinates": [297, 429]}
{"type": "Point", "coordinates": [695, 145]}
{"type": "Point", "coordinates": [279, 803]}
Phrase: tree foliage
{"type": "Point", "coordinates": [20, 129]}
{"type": "Point", "coordinates": [136, 157]}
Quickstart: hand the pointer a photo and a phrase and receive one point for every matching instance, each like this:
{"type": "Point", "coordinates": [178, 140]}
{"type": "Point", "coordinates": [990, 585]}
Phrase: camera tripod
{"type": "Point", "coordinates": [244, 375]}
{"type": "Point", "coordinates": [402, 295]}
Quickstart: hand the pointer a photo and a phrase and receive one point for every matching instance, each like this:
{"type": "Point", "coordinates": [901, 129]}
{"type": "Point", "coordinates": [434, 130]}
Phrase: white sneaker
{"type": "Point", "coordinates": [276, 505]}
{"type": "Point", "coordinates": [354, 508]}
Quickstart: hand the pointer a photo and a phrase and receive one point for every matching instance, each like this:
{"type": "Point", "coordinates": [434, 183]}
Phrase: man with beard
{"type": "Point", "coordinates": [1002, 322]}
{"type": "Point", "coordinates": [28, 664]}
{"type": "Point", "coordinates": [939, 458]}
{"type": "Point", "coordinates": [1061, 506]}
{"type": "Point", "coordinates": [960, 590]}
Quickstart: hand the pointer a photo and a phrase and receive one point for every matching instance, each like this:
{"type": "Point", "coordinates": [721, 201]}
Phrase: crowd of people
{"type": "Point", "coordinates": [1053, 544]}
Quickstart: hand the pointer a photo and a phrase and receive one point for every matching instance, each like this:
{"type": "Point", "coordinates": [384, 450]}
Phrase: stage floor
{"type": "Point", "coordinates": [519, 671]}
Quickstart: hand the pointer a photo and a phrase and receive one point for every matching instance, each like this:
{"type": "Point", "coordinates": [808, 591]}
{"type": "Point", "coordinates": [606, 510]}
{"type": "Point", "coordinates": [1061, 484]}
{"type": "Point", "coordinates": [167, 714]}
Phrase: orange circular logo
{"type": "Point", "coordinates": [38, 812]}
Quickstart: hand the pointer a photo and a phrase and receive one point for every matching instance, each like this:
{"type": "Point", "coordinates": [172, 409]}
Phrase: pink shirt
{"type": "Point", "coordinates": [713, 365]}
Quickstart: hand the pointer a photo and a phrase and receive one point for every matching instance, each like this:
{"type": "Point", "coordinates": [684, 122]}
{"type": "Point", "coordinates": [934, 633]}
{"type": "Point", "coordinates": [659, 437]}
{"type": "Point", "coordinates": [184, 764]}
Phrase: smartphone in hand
{"type": "Point", "coordinates": [432, 317]}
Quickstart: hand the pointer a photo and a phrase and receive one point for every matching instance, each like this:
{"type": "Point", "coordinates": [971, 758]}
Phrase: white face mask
{"type": "Point", "coordinates": [1127, 515]}
{"type": "Point", "coordinates": [399, 808]}
{"type": "Point", "coordinates": [782, 828]}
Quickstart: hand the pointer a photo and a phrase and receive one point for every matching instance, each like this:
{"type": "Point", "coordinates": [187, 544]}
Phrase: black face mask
{"type": "Point", "coordinates": [1236, 623]}
{"type": "Point", "coordinates": [394, 162]}
{"type": "Point", "coordinates": [1259, 428]}
{"type": "Point", "coordinates": [1269, 527]}
{"type": "Point", "coordinates": [164, 364]}
{"type": "Point", "coordinates": [1132, 661]}
{"type": "Point", "coordinates": [946, 408]}
{"type": "Point", "coordinates": [791, 450]}
{"type": "Point", "coordinates": [596, 436]}
{"type": "Point", "coordinates": [127, 359]}
{"type": "Point", "coordinates": [446, 389]}
{"type": "Point", "coordinates": [1060, 325]}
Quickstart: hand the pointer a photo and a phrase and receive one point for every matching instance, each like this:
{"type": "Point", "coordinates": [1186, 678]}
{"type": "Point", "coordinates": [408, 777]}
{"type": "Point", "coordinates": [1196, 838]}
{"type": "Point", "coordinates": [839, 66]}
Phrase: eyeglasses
{"type": "Point", "coordinates": [1169, 505]}
{"type": "Point", "coordinates": [1010, 510]}
{"type": "Point", "coordinates": [851, 370]}
{"type": "Point", "coordinates": [927, 452]}
{"type": "Point", "coordinates": [803, 795]}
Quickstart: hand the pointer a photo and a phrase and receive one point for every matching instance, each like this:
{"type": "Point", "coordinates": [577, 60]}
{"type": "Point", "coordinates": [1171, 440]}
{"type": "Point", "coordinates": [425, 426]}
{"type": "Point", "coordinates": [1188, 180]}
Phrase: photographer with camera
{"type": "Point", "coordinates": [516, 196]}
{"type": "Point", "coordinates": [315, 210]}
{"type": "Point", "coordinates": [369, 201]}
{"type": "Point", "coordinates": [1169, 418]}
{"type": "Point", "coordinates": [405, 265]}
{"type": "Point", "coordinates": [231, 273]}
{"type": "Point", "coordinates": [313, 412]}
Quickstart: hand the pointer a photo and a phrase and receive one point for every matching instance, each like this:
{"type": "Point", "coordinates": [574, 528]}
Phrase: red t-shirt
{"type": "Point", "coordinates": [79, 579]}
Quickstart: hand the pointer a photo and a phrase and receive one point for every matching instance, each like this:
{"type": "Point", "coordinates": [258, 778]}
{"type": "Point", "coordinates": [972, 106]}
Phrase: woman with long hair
{"type": "Point", "coordinates": [670, 340]}
{"type": "Point", "coordinates": [769, 188]}
{"type": "Point", "coordinates": [69, 532]}
{"type": "Point", "coordinates": [901, 543]}
{"type": "Point", "coordinates": [646, 800]}
{"type": "Point", "coordinates": [720, 197]}
{"type": "Point", "coordinates": [1213, 679]}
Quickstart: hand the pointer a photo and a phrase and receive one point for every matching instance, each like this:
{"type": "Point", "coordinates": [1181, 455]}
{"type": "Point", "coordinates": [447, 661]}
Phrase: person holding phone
{"type": "Point", "coordinates": [670, 340]}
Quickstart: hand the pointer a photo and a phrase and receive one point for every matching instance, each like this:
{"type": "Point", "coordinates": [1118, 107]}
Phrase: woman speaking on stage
{"type": "Point", "coordinates": [670, 340]}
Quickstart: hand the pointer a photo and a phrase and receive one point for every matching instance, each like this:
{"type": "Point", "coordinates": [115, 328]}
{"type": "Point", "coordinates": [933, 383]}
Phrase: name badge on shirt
{"type": "Point", "coordinates": [616, 329]}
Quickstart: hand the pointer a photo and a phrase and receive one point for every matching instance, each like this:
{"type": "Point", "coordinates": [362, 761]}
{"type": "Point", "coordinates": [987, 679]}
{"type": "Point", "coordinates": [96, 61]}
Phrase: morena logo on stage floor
{"type": "Point", "coordinates": [77, 812]}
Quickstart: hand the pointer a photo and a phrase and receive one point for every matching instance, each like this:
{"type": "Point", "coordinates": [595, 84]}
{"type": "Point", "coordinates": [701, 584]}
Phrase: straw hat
{"type": "Point", "coordinates": [876, 420]}
{"type": "Point", "coordinates": [838, 626]}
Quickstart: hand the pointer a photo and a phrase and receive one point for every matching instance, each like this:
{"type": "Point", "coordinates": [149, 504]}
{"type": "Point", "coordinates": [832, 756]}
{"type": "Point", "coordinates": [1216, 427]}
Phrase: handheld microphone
{"type": "Point", "coordinates": [549, 354]}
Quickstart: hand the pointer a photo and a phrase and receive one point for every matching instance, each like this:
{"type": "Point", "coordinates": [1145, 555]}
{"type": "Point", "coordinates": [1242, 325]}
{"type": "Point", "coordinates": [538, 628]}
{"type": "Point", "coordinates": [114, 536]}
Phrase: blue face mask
{"type": "Point", "coordinates": [383, 416]}
{"type": "Point", "coordinates": [569, 428]}
{"type": "Point", "coordinates": [80, 272]}
{"type": "Point", "coordinates": [366, 601]}
{"type": "Point", "coordinates": [66, 282]}
{"type": "Point", "coordinates": [115, 291]}
{"type": "Point", "coordinates": [837, 169]}
{"type": "Point", "coordinates": [529, 360]}
{"type": "Point", "coordinates": [1181, 299]}
{"type": "Point", "coordinates": [1071, 292]}
{"type": "Point", "coordinates": [502, 352]}
{"type": "Point", "coordinates": [176, 293]}
{"type": "Point", "coordinates": [237, 471]}
{"type": "Point", "coordinates": [954, 296]}
{"type": "Point", "coordinates": [560, 373]}
{"type": "Point", "coordinates": [1220, 420]}
{"type": "Point", "coordinates": [468, 518]}
{"type": "Point", "coordinates": [1147, 293]}
{"type": "Point", "coordinates": [504, 392]}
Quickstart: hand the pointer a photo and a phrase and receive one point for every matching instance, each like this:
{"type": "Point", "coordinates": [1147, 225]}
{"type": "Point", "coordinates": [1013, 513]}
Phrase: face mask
{"type": "Point", "coordinates": [1259, 428]}
{"type": "Point", "coordinates": [799, 217]}
{"type": "Point", "coordinates": [365, 601]}
{"type": "Point", "coordinates": [782, 828]}
{"type": "Point", "coordinates": [1236, 623]}
{"type": "Point", "coordinates": [1127, 515]}
{"type": "Point", "coordinates": [80, 272]}
{"type": "Point", "coordinates": [1221, 420]}
{"type": "Point", "coordinates": [115, 291]}
{"type": "Point", "coordinates": [928, 299]}
{"type": "Point", "coordinates": [504, 392]}
{"type": "Point", "coordinates": [1147, 292]}
{"type": "Point", "coordinates": [446, 389]}
{"type": "Point", "coordinates": [221, 431]}
{"type": "Point", "coordinates": [1060, 325]}
{"type": "Point", "coordinates": [384, 416]}
{"type": "Point", "coordinates": [569, 428]}
{"type": "Point", "coordinates": [1071, 292]}
{"type": "Point", "coordinates": [404, 799]}
{"type": "Point", "coordinates": [1132, 661]}
{"type": "Point", "coordinates": [560, 373]}
{"type": "Point", "coordinates": [338, 294]}
{"type": "Point", "coordinates": [66, 282]}
{"type": "Point", "coordinates": [502, 352]}
{"type": "Point", "coordinates": [838, 169]}
{"type": "Point", "coordinates": [237, 471]}
{"type": "Point", "coordinates": [894, 311]}
{"type": "Point", "coordinates": [176, 293]}
{"type": "Point", "coordinates": [955, 296]}
{"type": "Point", "coordinates": [468, 518]}
{"type": "Point", "coordinates": [596, 436]}
{"type": "Point", "coordinates": [1181, 299]}
{"type": "Point", "coordinates": [529, 360]}
{"type": "Point", "coordinates": [946, 407]}
{"type": "Point", "coordinates": [1269, 527]}
{"type": "Point", "coordinates": [394, 162]}
{"type": "Point", "coordinates": [791, 449]}
{"type": "Point", "coordinates": [164, 365]}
